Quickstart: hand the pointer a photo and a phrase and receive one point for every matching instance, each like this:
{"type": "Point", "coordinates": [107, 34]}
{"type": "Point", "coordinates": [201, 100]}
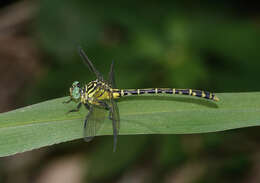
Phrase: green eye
{"type": "Point", "coordinates": [76, 93]}
{"type": "Point", "coordinates": [75, 83]}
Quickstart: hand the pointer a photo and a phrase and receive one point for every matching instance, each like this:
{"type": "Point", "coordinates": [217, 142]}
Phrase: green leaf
{"type": "Point", "coordinates": [49, 123]}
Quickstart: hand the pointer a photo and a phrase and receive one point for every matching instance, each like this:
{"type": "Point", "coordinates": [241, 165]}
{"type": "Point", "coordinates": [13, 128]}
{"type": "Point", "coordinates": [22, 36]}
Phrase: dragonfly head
{"type": "Point", "coordinates": [75, 91]}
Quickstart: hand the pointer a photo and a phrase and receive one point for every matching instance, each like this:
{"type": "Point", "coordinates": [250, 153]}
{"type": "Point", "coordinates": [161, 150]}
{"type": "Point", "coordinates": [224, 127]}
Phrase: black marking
{"type": "Point", "coordinates": [185, 92]}
{"type": "Point", "coordinates": [97, 86]}
{"type": "Point", "coordinates": [90, 85]}
{"type": "Point", "coordinates": [151, 91]}
{"type": "Point", "coordinates": [159, 90]}
{"type": "Point", "coordinates": [102, 91]}
{"type": "Point", "coordinates": [142, 91]}
{"type": "Point", "coordinates": [168, 91]}
{"type": "Point", "coordinates": [132, 92]}
{"type": "Point", "coordinates": [119, 93]}
{"type": "Point", "coordinates": [198, 93]}
{"type": "Point", "coordinates": [207, 95]}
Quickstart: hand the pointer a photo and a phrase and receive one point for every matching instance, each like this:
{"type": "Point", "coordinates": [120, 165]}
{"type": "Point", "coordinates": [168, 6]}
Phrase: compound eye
{"type": "Point", "coordinates": [76, 93]}
{"type": "Point", "coordinates": [75, 84]}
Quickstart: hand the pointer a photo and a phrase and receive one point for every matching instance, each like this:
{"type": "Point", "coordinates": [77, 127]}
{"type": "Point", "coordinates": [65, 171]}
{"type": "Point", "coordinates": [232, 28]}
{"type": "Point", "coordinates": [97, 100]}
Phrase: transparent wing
{"type": "Point", "coordinates": [94, 120]}
{"type": "Point", "coordinates": [114, 108]}
{"type": "Point", "coordinates": [89, 64]}
{"type": "Point", "coordinates": [112, 81]}
{"type": "Point", "coordinates": [113, 103]}
{"type": "Point", "coordinates": [115, 120]}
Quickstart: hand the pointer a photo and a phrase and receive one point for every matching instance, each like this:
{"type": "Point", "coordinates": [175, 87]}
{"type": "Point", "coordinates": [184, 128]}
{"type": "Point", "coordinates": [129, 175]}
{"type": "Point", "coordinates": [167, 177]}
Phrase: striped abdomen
{"type": "Point", "coordinates": [198, 93]}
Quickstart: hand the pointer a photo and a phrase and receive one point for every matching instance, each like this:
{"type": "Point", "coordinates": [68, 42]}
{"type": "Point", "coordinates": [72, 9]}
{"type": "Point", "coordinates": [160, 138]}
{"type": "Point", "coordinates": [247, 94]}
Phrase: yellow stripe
{"type": "Point", "coordinates": [138, 91]}
{"type": "Point", "coordinates": [91, 89]}
{"type": "Point", "coordinates": [156, 90]}
{"type": "Point", "coordinates": [216, 98]}
{"type": "Point", "coordinates": [122, 92]}
{"type": "Point", "coordinates": [173, 90]}
{"type": "Point", "coordinates": [203, 94]}
{"type": "Point", "coordinates": [190, 91]}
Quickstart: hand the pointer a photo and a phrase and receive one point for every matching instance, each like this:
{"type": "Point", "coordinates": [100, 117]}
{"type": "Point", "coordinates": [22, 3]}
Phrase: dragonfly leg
{"type": "Point", "coordinates": [104, 104]}
{"type": "Point", "coordinates": [87, 106]}
{"type": "Point", "coordinates": [107, 107]}
{"type": "Point", "coordinates": [68, 101]}
{"type": "Point", "coordinates": [75, 110]}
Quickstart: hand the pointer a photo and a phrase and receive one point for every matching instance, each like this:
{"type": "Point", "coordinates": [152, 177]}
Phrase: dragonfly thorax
{"type": "Point", "coordinates": [94, 91]}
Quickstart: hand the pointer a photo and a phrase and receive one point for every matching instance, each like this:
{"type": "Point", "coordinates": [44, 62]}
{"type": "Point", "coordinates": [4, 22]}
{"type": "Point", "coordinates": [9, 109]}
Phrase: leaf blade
{"type": "Point", "coordinates": [47, 123]}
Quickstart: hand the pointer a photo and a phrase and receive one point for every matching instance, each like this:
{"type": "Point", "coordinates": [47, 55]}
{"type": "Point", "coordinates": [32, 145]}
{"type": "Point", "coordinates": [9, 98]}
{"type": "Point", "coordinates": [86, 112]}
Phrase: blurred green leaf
{"type": "Point", "coordinates": [48, 123]}
{"type": "Point", "coordinates": [130, 149]}
{"type": "Point", "coordinates": [173, 156]}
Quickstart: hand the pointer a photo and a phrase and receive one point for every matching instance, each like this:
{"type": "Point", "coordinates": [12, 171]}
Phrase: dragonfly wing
{"type": "Point", "coordinates": [114, 116]}
{"type": "Point", "coordinates": [94, 120]}
{"type": "Point", "coordinates": [89, 64]}
{"type": "Point", "coordinates": [114, 108]}
{"type": "Point", "coordinates": [113, 103]}
{"type": "Point", "coordinates": [112, 81]}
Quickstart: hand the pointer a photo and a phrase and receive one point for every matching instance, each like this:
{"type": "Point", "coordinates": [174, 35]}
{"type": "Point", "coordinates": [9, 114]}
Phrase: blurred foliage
{"type": "Point", "coordinates": [166, 44]}
{"type": "Point", "coordinates": [205, 45]}
{"type": "Point", "coordinates": [109, 164]}
{"type": "Point", "coordinates": [153, 44]}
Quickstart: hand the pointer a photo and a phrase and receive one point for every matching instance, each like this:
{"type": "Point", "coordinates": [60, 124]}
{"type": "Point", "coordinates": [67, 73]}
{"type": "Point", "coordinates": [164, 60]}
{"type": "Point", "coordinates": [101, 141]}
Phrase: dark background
{"type": "Point", "coordinates": [184, 44]}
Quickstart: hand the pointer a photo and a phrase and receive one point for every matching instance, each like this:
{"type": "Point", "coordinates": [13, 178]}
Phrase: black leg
{"type": "Point", "coordinates": [68, 101]}
{"type": "Point", "coordinates": [87, 106]}
{"type": "Point", "coordinates": [104, 104]}
{"type": "Point", "coordinates": [75, 110]}
{"type": "Point", "coordinates": [107, 107]}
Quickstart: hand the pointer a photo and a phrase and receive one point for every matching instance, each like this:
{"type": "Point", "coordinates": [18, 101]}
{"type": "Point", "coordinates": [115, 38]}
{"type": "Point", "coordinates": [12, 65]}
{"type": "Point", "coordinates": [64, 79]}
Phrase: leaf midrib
{"type": "Point", "coordinates": [21, 123]}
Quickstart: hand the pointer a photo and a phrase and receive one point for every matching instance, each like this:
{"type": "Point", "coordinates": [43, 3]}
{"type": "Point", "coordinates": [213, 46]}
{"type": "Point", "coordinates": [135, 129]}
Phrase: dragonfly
{"type": "Point", "coordinates": [99, 95]}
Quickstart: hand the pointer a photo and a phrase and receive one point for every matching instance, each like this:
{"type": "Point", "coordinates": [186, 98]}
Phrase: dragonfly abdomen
{"type": "Point", "coordinates": [191, 92]}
